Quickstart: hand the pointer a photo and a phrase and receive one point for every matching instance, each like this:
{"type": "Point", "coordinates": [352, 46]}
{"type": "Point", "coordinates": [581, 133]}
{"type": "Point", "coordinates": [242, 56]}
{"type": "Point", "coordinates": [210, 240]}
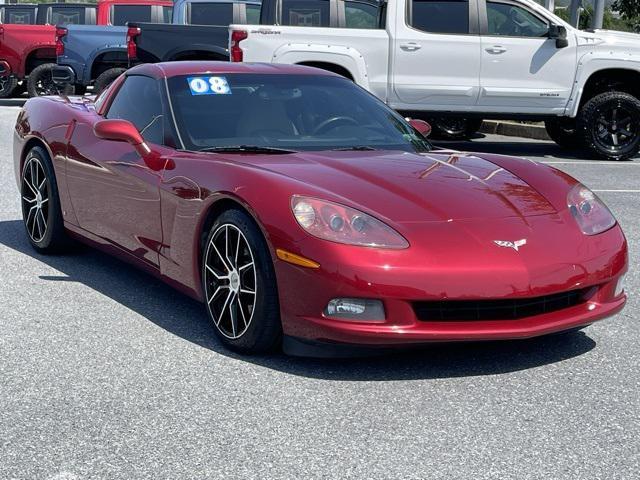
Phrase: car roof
{"type": "Point", "coordinates": [173, 69]}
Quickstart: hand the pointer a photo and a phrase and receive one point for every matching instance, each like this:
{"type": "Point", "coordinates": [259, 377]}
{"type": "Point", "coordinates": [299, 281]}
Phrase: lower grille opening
{"type": "Point", "coordinates": [504, 309]}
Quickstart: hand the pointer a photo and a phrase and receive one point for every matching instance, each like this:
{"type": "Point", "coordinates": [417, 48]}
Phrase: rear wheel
{"type": "Point", "coordinates": [609, 124]}
{"type": "Point", "coordinates": [41, 212]}
{"type": "Point", "coordinates": [41, 82]}
{"type": "Point", "coordinates": [7, 86]}
{"type": "Point", "coordinates": [455, 128]}
{"type": "Point", "coordinates": [106, 78]}
{"type": "Point", "coordinates": [563, 131]}
{"type": "Point", "coordinates": [239, 284]}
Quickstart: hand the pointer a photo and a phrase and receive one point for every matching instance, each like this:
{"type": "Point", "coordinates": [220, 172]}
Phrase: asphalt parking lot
{"type": "Point", "coordinates": [107, 373]}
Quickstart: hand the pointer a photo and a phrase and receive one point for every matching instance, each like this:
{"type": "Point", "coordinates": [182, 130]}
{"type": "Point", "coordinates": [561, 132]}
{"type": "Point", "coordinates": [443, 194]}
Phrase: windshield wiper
{"type": "Point", "coordinates": [245, 149]}
{"type": "Point", "coordinates": [355, 148]}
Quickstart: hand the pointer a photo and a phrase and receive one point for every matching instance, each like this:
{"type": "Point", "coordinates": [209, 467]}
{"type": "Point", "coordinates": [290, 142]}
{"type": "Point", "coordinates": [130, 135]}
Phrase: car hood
{"type": "Point", "coordinates": [610, 38]}
{"type": "Point", "coordinates": [405, 187]}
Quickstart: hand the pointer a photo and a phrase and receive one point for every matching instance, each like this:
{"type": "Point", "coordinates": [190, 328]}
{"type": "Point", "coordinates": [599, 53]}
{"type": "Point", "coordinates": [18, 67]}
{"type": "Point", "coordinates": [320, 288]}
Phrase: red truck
{"type": "Point", "coordinates": [28, 52]}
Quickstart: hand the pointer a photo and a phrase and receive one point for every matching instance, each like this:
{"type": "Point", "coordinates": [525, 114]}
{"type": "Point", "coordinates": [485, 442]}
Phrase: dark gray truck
{"type": "Point", "coordinates": [199, 31]}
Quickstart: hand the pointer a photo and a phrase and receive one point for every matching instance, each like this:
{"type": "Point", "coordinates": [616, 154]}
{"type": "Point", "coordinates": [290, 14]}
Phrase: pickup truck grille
{"type": "Point", "coordinates": [509, 309]}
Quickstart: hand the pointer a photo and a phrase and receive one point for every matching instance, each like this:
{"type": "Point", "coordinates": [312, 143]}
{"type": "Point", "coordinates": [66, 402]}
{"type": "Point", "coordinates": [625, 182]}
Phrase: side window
{"type": "Point", "coordinates": [361, 15]}
{"type": "Point", "coordinates": [138, 101]}
{"type": "Point", "coordinates": [167, 14]}
{"type": "Point", "coordinates": [440, 16]}
{"type": "Point", "coordinates": [253, 14]}
{"type": "Point", "coordinates": [306, 13]}
{"type": "Point", "coordinates": [514, 21]}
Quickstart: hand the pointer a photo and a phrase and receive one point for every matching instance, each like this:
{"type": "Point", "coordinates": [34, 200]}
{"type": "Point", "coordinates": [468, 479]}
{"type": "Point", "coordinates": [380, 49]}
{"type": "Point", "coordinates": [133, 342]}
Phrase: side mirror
{"type": "Point", "coordinates": [121, 131]}
{"type": "Point", "coordinates": [560, 34]}
{"type": "Point", "coordinates": [422, 127]}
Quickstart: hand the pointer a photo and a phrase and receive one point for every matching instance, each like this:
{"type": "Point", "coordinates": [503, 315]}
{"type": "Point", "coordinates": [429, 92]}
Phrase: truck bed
{"type": "Point", "coordinates": [165, 42]}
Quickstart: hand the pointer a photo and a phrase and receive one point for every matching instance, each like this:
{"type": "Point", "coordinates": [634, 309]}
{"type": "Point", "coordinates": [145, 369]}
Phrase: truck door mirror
{"type": "Point", "coordinates": [559, 32]}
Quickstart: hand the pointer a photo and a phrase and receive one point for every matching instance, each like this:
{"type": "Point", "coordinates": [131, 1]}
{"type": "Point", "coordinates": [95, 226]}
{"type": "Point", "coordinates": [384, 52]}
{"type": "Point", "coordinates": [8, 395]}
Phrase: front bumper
{"type": "Point", "coordinates": [63, 75]}
{"type": "Point", "coordinates": [401, 280]}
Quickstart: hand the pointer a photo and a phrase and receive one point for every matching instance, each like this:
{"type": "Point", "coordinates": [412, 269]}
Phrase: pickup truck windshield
{"type": "Point", "coordinates": [19, 16]}
{"type": "Point", "coordinates": [211, 14]}
{"type": "Point", "coordinates": [292, 112]}
{"type": "Point", "coordinates": [121, 14]}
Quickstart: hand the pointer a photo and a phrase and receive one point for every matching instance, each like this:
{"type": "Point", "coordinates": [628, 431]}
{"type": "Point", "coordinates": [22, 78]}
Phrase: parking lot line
{"type": "Point", "coordinates": [591, 162]}
{"type": "Point", "coordinates": [617, 191]}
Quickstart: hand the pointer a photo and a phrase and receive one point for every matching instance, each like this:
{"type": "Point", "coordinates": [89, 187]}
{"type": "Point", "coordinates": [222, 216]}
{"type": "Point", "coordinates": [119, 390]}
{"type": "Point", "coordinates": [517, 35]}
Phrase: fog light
{"type": "Point", "coordinates": [619, 286]}
{"type": "Point", "coordinates": [355, 309]}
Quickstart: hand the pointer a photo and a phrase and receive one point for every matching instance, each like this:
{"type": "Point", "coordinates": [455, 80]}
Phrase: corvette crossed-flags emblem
{"type": "Point", "coordinates": [515, 245]}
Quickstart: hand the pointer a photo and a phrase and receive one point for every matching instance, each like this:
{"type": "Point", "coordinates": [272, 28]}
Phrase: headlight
{"type": "Point", "coordinates": [590, 212]}
{"type": "Point", "coordinates": [337, 223]}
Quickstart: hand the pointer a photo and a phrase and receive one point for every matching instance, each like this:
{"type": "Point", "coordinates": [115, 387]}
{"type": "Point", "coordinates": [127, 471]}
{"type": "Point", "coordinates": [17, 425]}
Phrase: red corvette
{"type": "Point", "coordinates": [304, 212]}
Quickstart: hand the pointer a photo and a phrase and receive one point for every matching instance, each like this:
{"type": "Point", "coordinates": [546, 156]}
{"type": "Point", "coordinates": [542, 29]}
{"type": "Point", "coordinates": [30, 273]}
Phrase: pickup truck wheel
{"type": "Point", "coordinates": [454, 128]}
{"type": "Point", "coordinates": [610, 125]}
{"type": "Point", "coordinates": [41, 83]}
{"type": "Point", "coordinates": [563, 131]}
{"type": "Point", "coordinates": [7, 86]}
{"type": "Point", "coordinates": [106, 78]}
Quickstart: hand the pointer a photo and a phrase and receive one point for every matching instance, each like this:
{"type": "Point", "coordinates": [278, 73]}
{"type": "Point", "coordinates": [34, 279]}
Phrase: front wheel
{"type": "Point", "coordinates": [239, 284]}
{"type": "Point", "coordinates": [40, 82]}
{"type": "Point", "coordinates": [609, 124]}
{"type": "Point", "coordinates": [41, 212]}
{"type": "Point", "coordinates": [455, 128]}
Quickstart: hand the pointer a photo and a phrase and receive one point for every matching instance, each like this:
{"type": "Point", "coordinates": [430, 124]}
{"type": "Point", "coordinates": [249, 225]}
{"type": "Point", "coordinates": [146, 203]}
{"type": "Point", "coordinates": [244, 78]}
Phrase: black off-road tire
{"type": "Point", "coordinates": [563, 131]}
{"type": "Point", "coordinates": [106, 78]}
{"type": "Point", "coordinates": [40, 82]}
{"type": "Point", "coordinates": [262, 330]}
{"type": "Point", "coordinates": [454, 128]}
{"type": "Point", "coordinates": [8, 87]}
{"type": "Point", "coordinates": [597, 125]}
{"type": "Point", "coordinates": [51, 237]}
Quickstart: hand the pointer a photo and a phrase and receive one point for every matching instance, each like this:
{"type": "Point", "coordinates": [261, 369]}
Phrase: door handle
{"type": "Point", "coordinates": [496, 49]}
{"type": "Point", "coordinates": [410, 46]}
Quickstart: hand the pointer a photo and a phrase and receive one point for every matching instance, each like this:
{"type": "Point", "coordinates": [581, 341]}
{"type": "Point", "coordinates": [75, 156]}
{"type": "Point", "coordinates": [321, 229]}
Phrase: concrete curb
{"type": "Point", "coordinates": [512, 129]}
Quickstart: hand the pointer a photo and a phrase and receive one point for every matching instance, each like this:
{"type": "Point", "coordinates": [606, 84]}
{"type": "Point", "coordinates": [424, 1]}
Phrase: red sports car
{"type": "Point", "coordinates": [303, 212]}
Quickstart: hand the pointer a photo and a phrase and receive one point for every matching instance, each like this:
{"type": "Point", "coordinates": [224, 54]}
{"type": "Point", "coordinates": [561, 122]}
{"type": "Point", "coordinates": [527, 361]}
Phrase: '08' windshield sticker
{"type": "Point", "coordinates": [209, 86]}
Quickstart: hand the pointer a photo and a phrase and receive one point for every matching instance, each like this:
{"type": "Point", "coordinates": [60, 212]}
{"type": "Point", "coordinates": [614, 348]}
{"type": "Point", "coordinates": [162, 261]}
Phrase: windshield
{"type": "Point", "coordinates": [293, 112]}
{"type": "Point", "coordinates": [121, 14]}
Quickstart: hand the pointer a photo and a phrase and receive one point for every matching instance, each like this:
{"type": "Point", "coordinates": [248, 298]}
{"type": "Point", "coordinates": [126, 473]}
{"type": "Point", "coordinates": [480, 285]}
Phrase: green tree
{"type": "Point", "coordinates": [609, 22]}
{"type": "Point", "coordinates": [630, 11]}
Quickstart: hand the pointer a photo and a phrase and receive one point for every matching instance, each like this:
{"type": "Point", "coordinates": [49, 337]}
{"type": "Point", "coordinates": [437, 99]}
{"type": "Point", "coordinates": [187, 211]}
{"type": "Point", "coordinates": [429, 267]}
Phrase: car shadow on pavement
{"type": "Point", "coordinates": [186, 318]}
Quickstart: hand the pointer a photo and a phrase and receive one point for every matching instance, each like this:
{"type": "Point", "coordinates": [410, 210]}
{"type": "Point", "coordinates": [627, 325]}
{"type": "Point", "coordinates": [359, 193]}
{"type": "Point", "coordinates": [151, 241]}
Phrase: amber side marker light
{"type": "Point", "coordinates": [296, 259]}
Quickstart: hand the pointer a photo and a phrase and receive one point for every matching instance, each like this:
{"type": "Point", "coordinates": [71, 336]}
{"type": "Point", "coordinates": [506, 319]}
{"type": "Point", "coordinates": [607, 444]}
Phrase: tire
{"type": "Point", "coordinates": [241, 280]}
{"type": "Point", "coordinates": [106, 78]}
{"type": "Point", "coordinates": [41, 212]}
{"type": "Point", "coordinates": [563, 131]}
{"type": "Point", "coordinates": [20, 89]}
{"type": "Point", "coordinates": [454, 128]}
{"type": "Point", "coordinates": [8, 86]}
{"type": "Point", "coordinates": [609, 125]}
{"type": "Point", "coordinates": [40, 82]}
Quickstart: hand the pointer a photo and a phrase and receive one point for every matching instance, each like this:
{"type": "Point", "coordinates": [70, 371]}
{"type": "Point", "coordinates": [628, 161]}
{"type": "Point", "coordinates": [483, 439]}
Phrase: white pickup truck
{"type": "Point", "coordinates": [471, 58]}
